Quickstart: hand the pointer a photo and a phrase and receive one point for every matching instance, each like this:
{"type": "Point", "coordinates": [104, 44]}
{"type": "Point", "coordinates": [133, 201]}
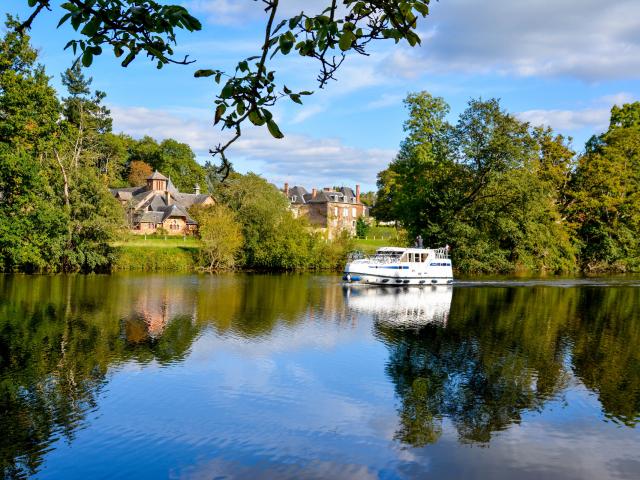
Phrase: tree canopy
{"type": "Point", "coordinates": [508, 196]}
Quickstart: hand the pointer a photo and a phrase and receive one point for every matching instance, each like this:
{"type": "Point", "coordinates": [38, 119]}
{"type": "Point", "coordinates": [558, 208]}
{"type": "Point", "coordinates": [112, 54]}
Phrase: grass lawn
{"type": "Point", "coordinates": [370, 245]}
{"type": "Point", "coordinates": [157, 242]}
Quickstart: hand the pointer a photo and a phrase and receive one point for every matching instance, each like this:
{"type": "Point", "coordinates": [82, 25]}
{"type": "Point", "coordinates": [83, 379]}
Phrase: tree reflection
{"type": "Point", "coordinates": [59, 337]}
{"type": "Point", "coordinates": [505, 351]}
{"type": "Point", "coordinates": [480, 358]}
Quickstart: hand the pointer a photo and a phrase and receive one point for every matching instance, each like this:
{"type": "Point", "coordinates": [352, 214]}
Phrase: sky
{"type": "Point", "coordinates": [561, 63]}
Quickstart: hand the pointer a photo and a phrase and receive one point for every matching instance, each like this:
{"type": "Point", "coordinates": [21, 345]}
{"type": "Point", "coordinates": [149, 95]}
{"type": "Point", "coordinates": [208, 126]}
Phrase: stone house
{"type": "Point", "coordinates": [159, 204]}
{"type": "Point", "coordinates": [333, 210]}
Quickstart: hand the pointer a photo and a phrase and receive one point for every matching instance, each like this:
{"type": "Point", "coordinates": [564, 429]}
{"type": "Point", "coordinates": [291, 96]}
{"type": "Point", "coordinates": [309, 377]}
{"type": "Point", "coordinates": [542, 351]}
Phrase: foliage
{"type": "Point", "coordinates": [221, 237]}
{"type": "Point", "coordinates": [605, 203]}
{"type": "Point", "coordinates": [139, 171]}
{"type": "Point", "coordinates": [127, 26]}
{"type": "Point", "coordinates": [362, 227]}
{"type": "Point", "coordinates": [490, 186]}
{"type": "Point", "coordinates": [57, 213]}
{"type": "Point", "coordinates": [174, 159]}
{"type": "Point", "coordinates": [154, 259]}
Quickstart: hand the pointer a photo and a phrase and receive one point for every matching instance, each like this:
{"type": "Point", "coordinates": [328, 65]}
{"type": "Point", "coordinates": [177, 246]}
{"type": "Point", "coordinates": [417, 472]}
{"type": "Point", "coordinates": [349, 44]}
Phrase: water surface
{"type": "Point", "coordinates": [293, 376]}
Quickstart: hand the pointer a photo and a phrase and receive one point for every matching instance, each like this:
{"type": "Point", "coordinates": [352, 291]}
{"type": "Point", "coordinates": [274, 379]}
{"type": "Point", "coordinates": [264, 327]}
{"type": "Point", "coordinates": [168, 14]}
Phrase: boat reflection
{"type": "Point", "coordinates": [410, 308]}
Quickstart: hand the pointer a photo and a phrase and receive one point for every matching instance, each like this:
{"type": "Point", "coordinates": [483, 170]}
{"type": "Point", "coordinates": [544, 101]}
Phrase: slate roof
{"type": "Point", "coordinates": [157, 176]}
{"type": "Point", "coordinates": [297, 195]}
{"type": "Point", "coordinates": [187, 200]}
{"type": "Point", "coordinates": [150, 217]}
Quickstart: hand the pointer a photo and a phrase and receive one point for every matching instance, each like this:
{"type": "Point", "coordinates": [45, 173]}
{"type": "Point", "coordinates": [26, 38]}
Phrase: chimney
{"type": "Point", "coordinates": [314, 193]}
{"type": "Point", "coordinates": [286, 189]}
{"type": "Point", "coordinates": [196, 189]}
{"type": "Point", "coordinates": [357, 193]}
{"type": "Point", "coordinates": [168, 197]}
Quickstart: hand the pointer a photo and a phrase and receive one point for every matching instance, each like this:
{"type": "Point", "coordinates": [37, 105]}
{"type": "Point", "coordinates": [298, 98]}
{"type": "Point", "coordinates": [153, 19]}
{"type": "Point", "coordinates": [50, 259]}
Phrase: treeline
{"type": "Point", "coordinates": [510, 197]}
{"type": "Point", "coordinates": [251, 226]}
{"type": "Point", "coordinates": [59, 156]}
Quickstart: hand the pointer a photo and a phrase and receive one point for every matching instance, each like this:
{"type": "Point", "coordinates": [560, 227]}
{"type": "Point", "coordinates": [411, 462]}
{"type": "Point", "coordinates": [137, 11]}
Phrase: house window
{"type": "Point", "coordinates": [294, 198]}
{"type": "Point", "coordinates": [345, 212]}
{"type": "Point", "coordinates": [353, 212]}
{"type": "Point", "coordinates": [336, 211]}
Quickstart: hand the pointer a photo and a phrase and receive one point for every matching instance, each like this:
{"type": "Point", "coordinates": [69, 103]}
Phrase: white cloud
{"type": "Point", "coordinates": [585, 39]}
{"type": "Point", "coordinates": [595, 118]}
{"type": "Point", "coordinates": [297, 159]}
{"type": "Point", "coordinates": [307, 112]}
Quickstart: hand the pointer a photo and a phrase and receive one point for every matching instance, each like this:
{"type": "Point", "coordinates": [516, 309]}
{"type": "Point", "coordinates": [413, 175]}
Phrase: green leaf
{"type": "Point", "coordinates": [274, 130]}
{"type": "Point", "coordinates": [91, 28]}
{"type": "Point", "coordinates": [219, 112]}
{"type": "Point", "coordinates": [64, 18]}
{"type": "Point", "coordinates": [32, 3]}
{"type": "Point", "coordinates": [128, 59]}
{"type": "Point", "coordinates": [255, 118]}
{"type": "Point", "coordinates": [204, 73]}
{"type": "Point", "coordinates": [296, 98]}
{"type": "Point", "coordinates": [87, 58]}
{"type": "Point", "coordinates": [227, 90]}
{"type": "Point", "coordinates": [346, 40]}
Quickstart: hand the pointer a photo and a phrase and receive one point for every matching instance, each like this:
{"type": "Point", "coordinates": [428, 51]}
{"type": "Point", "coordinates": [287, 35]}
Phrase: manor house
{"type": "Point", "coordinates": [333, 210]}
{"type": "Point", "coordinates": [159, 205]}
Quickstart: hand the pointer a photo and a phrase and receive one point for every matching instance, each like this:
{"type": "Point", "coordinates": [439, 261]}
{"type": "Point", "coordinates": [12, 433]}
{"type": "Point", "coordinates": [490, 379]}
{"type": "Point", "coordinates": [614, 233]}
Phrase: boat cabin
{"type": "Point", "coordinates": [410, 255]}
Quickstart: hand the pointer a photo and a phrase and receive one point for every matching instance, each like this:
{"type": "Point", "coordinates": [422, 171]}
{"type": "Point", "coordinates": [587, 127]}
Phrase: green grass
{"type": "Point", "coordinates": [157, 242]}
{"type": "Point", "coordinates": [155, 259]}
{"type": "Point", "coordinates": [370, 245]}
{"type": "Point", "coordinates": [155, 253]}
{"type": "Point", "coordinates": [376, 237]}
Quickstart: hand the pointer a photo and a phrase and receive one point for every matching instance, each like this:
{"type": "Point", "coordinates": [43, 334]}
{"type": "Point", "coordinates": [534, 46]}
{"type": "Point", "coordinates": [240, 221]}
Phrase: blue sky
{"type": "Point", "coordinates": [562, 63]}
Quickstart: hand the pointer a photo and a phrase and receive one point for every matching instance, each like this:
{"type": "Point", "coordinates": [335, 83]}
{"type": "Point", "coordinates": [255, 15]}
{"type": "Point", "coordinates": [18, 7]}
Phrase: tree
{"type": "Point", "coordinates": [57, 213]}
{"type": "Point", "coordinates": [362, 227]}
{"type": "Point", "coordinates": [139, 171]}
{"type": "Point", "coordinates": [178, 162]}
{"type": "Point", "coordinates": [490, 186]}
{"type": "Point", "coordinates": [606, 195]}
{"type": "Point", "coordinates": [131, 27]}
{"type": "Point", "coordinates": [221, 237]}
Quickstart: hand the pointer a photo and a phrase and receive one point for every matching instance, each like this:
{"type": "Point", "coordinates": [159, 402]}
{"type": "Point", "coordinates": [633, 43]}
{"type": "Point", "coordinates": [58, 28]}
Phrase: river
{"type": "Point", "coordinates": [295, 376]}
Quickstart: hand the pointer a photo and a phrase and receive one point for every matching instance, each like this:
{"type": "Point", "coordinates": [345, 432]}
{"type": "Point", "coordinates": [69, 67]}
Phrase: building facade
{"type": "Point", "coordinates": [335, 210]}
{"type": "Point", "coordinates": [160, 206]}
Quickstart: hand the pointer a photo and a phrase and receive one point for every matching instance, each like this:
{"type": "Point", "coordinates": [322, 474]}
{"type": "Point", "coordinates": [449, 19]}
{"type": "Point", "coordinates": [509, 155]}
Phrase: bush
{"type": "Point", "coordinates": [221, 237]}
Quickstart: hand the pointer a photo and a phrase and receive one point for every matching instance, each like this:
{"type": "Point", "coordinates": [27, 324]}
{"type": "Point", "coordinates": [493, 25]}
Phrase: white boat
{"type": "Point", "coordinates": [399, 266]}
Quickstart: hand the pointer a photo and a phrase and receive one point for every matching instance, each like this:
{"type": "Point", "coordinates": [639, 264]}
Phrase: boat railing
{"type": "Point", "coordinates": [442, 253]}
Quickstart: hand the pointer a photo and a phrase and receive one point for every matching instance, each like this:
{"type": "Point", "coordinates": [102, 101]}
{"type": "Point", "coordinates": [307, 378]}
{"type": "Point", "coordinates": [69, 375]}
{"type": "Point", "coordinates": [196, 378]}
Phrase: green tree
{"type": "Point", "coordinates": [51, 192]}
{"type": "Point", "coordinates": [221, 237]}
{"type": "Point", "coordinates": [362, 227]}
{"type": "Point", "coordinates": [606, 195]}
{"type": "Point", "coordinates": [178, 162]}
{"type": "Point", "coordinates": [490, 186]}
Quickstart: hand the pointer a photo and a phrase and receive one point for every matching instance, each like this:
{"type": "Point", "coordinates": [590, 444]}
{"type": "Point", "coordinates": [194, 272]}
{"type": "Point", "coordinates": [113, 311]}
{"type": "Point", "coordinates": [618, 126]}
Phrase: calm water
{"type": "Point", "coordinates": [278, 377]}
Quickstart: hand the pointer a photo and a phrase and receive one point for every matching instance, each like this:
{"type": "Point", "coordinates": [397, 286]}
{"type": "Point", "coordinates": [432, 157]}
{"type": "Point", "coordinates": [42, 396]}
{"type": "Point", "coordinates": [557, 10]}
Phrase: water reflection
{"type": "Point", "coordinates": [508, 351]}
{"type": "Point", "coordinates": [473, 359]}
{"type": "Point", "coordinates": [409, 307]}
